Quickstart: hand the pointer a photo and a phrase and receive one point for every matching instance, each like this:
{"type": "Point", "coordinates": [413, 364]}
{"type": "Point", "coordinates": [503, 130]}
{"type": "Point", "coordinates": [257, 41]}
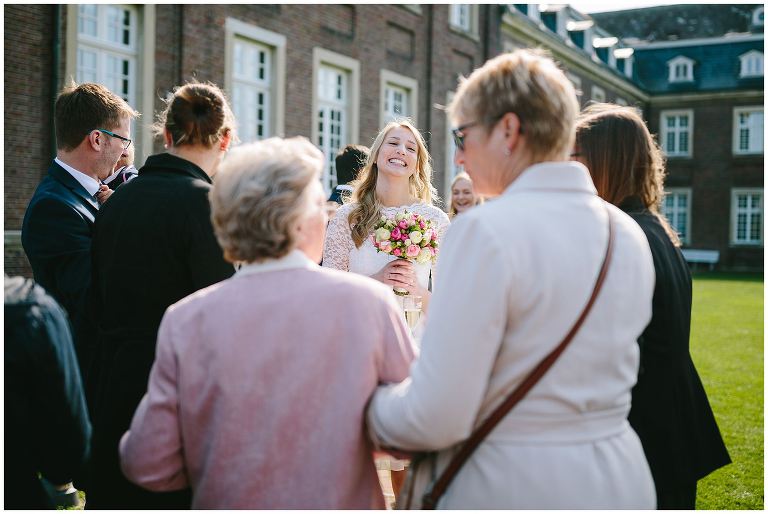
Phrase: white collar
{"type": "Point", "coordinates": [560, 175]}
{"type": "Point", "coordinates": [344, 187]}
{"type": "Point", "coordinates": [294, 259]}
{"type": "Point", "coordinates": [128, 168]}
{"type": "Point", "coordinates": [91, 185]}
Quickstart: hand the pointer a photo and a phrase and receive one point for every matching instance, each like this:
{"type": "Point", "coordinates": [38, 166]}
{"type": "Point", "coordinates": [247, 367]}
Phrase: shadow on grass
{"type": "Point", "coordinates": [720, 275]}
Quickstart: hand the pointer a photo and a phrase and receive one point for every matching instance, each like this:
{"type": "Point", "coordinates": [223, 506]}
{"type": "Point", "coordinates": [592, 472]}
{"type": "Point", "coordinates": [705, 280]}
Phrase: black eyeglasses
{"type": "Point", "coordinates": [126, 142]}
{"type": "Point", "coordinates": [459, 135]}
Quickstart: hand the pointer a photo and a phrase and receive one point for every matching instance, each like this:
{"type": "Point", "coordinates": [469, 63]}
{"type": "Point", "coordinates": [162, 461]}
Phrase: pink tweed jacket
{"type": "Point", "coordinates": [258, 391]}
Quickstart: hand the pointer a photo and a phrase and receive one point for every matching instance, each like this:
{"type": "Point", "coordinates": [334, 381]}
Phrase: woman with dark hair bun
{"type": "Point", "coordinates": [670, 411]}
{"type": "Point", "coordinates": [153, 245]}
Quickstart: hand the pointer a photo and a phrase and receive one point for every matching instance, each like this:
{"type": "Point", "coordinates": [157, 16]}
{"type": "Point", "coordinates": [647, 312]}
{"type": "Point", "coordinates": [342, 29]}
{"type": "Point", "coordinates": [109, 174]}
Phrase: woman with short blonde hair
{"type": "Point", "coordinates": [258, 392]}
{"type": "Point", "coordinates": [518, 272]}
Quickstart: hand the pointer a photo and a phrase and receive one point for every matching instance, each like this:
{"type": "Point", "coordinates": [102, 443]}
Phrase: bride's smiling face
{"type": "Point", "coordinates": [399, 153]}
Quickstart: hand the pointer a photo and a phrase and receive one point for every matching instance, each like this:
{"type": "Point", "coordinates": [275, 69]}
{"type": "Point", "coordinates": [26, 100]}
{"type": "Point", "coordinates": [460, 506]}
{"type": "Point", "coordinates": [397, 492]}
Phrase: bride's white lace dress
{"type": "Point", "coordinates": [340, 252]}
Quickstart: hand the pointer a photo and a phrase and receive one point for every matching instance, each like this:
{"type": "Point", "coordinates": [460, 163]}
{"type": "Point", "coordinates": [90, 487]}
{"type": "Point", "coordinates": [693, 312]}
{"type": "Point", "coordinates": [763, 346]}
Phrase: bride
{"type": "Point", "coordinates": [397, 177]}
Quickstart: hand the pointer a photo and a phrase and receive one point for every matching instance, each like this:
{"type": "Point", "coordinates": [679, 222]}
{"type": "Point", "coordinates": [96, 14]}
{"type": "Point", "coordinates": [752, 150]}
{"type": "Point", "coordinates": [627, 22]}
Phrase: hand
{"type": "Point", "coordinates": [103, 193]}
{"type": "Point", "coordinates": [397, 273]}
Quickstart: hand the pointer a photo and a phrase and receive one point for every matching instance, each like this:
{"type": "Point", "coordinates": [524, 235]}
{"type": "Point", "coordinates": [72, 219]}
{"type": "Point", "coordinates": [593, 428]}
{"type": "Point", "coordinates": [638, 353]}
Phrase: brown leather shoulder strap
{"type": "Point", "coordinates": [440, 485]}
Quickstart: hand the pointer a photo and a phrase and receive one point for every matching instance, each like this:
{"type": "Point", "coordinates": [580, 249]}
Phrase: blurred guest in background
{"type": "Point", "coordinates": [257, 396]}
{"type": "Point", "coordinates": [670, 411]}
{"type": "Point", "coordinates": [349, 161]}
{"type": "Point", "coordinates": [153, 245]}
{"type": "Point", "coordinates": [463, 194]}
{"type": "Point", "coordinates": [124, 170]}
{"type": "Point", "coordinates": [47, 432]}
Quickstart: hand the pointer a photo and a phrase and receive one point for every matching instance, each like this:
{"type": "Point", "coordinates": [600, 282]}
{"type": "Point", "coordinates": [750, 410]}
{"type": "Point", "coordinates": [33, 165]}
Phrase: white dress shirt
{"type": "Point", "coordinates": [89, 183]}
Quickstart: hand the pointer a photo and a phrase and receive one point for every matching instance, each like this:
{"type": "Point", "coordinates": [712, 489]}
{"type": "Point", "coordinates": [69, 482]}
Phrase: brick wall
{"type": "Point", "coordinates": [190, 43]}
{"type": "Point", "coordinates": [711, 173]}
{"type": "Point", "coordinates": [27, 117]}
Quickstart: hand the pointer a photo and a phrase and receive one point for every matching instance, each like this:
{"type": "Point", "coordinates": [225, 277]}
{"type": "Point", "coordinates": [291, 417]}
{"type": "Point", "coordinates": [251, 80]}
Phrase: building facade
{"type": "Point", "coordinates": [336, 74]}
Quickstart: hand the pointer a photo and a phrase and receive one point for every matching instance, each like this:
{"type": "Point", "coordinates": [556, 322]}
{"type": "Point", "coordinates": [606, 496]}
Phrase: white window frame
{"type": "Point", "coordinates": [751, 64]}
{"type": "Point", "coordinates": [142, 87]}
{"type": "Point", "coordinates": [735, 211]}
{"type": "Point", "coordinates": [756, 21]}
{"type": "Point", "coordinates": [451, 169]}
{"type": "Point", "coordinates": [276, 44]}
{"type": "Point", "coordinates": [103, 48]}
{"type": "Point", "coordinates": [388, 79]}
{"type": "Point", "coordinates": [672, 217]}
{"type": "Point", "coordinates": [680, 63]}
{"type": "Point", "coordinates": [757, 139]}
{"type": "Point", "coordinates": [322, 57]}
{"type": "Point", "coordinates": [597, 94]}
{"type": "Point", "coordinates": [466, 13]}
{"type": "Point", "coordinates": [663, 130]}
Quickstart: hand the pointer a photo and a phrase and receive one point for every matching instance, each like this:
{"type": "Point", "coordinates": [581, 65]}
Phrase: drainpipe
{"type": "Point", "coordinates": [428, 121]}
{"type": "Point", "coordinates": [56, 57]}
{"type": "Point", "coordinates": [180, 44]}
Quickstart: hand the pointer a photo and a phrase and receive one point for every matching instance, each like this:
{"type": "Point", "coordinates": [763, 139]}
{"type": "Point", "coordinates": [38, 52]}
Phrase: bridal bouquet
{"type": "Point", "coordinates": [406, 236]}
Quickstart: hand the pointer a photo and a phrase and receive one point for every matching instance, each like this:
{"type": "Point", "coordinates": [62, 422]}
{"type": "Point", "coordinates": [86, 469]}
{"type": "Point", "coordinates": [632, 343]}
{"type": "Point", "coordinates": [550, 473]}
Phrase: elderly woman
{"type": "Point", "coordinates": [256, 399]}
{"type": "Point", "coordinates": [518, 272]}
{"type": "Point", "coordinates": [670, 410]}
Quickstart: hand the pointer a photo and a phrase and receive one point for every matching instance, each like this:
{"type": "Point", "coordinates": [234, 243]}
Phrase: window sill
{"type": "Point", "coordinates": [473, 35]}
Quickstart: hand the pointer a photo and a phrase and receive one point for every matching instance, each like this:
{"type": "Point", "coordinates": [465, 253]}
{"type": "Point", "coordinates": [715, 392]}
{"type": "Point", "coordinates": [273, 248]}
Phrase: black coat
{"type": "Point", "coordinates": [46, 424]}
{"type": "Point", "coordinates": [56, 235]}
{"type": "Point", "coordinates": [670, 411]}
{"type": "Point", "coordinates": [153, 245]}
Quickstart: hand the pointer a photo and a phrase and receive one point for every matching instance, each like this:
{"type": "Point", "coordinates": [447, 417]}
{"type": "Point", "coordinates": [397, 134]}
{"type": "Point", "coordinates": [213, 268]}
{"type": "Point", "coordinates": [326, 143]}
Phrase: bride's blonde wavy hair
{"type": "Point", "coordinates": [368, 209]}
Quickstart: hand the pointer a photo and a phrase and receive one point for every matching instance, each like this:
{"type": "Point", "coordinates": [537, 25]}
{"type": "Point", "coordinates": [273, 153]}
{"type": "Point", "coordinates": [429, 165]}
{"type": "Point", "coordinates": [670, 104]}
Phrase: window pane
{"type": "Point", "coordinates": [683, 142]}
{"type": "Point", "coordinates": [742, 201]}
{"type": "Point", "coordinates": [86, 21]}
{"type": "Point", "coordinates": [670, 142]}
{"type": "Point", "coordinates": [741, 226]}
{"type": "Point", "coordinates": [671, 120]}
{"type": "Point", "coordinates": [683, 121]}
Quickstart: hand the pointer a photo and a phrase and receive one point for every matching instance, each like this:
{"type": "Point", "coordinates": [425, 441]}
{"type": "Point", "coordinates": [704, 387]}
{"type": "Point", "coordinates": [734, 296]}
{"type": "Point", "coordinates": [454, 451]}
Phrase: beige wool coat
{"type": "Point", "coordinates": [515, 274]}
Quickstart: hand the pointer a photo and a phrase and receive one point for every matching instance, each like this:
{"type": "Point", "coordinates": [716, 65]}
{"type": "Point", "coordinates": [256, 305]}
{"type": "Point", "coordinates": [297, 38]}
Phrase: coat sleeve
{"type": "Point", "coordinates": [438, 405]}
{"type": "Point", "coordinates": [206, 258]}
{"type": "Point", "coordinates": [65, 442]}
{"type": "Point", "coordinates": [58, 237]}
{"type": "Point", "coordinates": [151, 453]}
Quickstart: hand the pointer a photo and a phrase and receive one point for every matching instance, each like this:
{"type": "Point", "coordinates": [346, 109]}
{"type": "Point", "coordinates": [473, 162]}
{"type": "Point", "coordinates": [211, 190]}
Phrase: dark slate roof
{"type": "Point", "coordinates": [716, 67]}
{"type": "Point", "coordinates": [676, 22]}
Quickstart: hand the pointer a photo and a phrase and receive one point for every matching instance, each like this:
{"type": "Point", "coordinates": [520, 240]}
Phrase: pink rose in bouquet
{"type": "Point", "coordinates": [407, 236]}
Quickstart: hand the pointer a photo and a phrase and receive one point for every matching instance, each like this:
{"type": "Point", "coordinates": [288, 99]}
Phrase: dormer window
{"type": "Point", "coordinates": [554, 17]}
{"type": "Point", "coordinates": [751, 64]}
{"type": "Point", "coordinates": [680, 69]}
{"type": "Point", "coordinates": [757, 16]}
{"type": "Point", "coordinates": [624, 60]}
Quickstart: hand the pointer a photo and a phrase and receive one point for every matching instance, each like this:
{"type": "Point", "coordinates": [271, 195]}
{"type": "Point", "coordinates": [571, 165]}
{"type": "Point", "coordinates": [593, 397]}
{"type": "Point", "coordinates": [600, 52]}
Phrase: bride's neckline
{"type": "Point", "coordinates": [401, 206]}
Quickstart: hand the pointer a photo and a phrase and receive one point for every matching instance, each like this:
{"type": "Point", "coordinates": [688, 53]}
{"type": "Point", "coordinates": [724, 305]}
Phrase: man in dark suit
{"type": "Point", "coordinates": [93, 127]}
{"type": "Point", "coordinates": [349, 161]}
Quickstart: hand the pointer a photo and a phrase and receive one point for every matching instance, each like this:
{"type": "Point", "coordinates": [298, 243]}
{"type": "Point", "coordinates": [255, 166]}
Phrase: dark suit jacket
{"type": "Point", "coordinates": [670, 411]}
{"type": "Point", "coordinates": [56, 235]}
{"type": "Point", "coordinates": [153, 245]}
{"type": "Point", "coordinates": [46, 424]}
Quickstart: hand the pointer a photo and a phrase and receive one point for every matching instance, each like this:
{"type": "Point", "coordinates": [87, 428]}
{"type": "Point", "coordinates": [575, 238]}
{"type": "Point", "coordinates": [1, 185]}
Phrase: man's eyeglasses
{"type": "Point", "coordinates": [125, 141]}
{"type": "Point", "coordinates": [459, 135]}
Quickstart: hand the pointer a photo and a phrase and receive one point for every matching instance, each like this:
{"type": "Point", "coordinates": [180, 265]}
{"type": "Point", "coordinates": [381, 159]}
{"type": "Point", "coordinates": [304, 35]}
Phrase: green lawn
{"type": "Point", "coordinates": [727, 348]}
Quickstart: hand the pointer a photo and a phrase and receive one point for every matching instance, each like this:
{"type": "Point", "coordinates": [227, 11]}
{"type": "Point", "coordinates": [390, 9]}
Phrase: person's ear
{"type": "Point", "coordinates": [226, 140]}
{"type": "Point", "coordinates": [168, 138]}
{"type": "Point", "coordinates": [512, 127]}
{"type": "Point", "coordinates": [95, 139]}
